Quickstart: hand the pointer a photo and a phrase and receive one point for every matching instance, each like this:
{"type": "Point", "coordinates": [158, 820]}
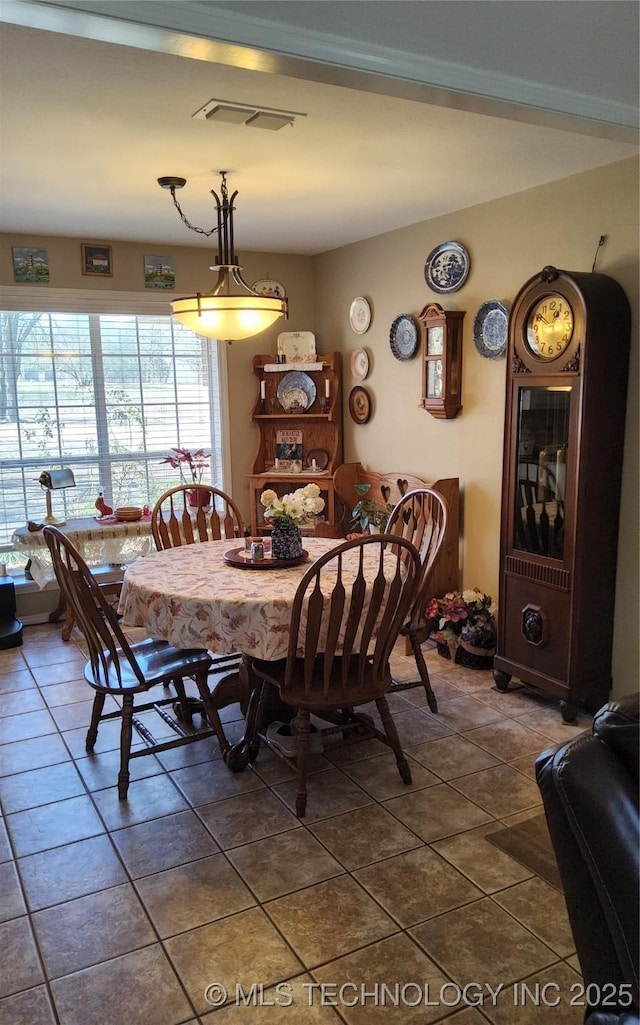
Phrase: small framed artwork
{"type": "Point", "coordinates": [96, 260]}
{"type": "Point", "coordinates": [30, 266]}
{"type": "Point", "coordinates": [159, 272]}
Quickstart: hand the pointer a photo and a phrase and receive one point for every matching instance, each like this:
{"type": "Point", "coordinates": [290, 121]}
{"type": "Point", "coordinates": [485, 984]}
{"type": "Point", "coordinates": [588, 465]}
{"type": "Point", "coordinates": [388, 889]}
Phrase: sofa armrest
{"type": "Point", "coordinates": [591, 806]}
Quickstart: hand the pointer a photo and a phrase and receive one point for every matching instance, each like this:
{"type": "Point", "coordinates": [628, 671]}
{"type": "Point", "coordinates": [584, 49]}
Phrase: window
{"type": "Point", "coordinates": [107, 395]}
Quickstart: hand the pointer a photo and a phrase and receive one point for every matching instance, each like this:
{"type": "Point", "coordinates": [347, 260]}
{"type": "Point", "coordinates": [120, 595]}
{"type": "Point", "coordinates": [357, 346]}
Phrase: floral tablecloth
{"type": "Point", "coordinates": [190, 597]}
{"type": "Point", "coordinates": [100, 543]}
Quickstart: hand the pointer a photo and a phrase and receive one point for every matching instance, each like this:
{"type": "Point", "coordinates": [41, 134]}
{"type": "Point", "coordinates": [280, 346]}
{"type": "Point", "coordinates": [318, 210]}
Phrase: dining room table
{"type": "Point", "coordinates": [213, 595]}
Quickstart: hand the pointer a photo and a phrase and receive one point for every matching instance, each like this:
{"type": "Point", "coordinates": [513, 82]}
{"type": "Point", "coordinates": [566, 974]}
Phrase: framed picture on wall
{"type": "Point", "coordinates": [159, 272]}
{"type": "Point", "coordinates": [97, 260]}
{"type": "Point", "coordinates": [30, 266]}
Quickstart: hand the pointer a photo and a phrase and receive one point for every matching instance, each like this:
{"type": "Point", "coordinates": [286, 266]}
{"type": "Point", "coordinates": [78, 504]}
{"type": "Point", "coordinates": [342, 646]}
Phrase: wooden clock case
{"type": "Point", "coordinates": [564, 434]}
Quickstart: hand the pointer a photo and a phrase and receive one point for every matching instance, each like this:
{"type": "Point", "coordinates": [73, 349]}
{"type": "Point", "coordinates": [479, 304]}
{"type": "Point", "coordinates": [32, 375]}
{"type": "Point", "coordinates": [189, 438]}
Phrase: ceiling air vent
{"type": "Point", "coordinates": [231, 113]}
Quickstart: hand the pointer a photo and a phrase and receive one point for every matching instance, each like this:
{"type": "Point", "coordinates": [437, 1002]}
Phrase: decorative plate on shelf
{"type": "Point", "coordinates": [359, 405]}
{"type": "Point", "coordinates": [296, 346]}
{"type": "Point", "coordinates": [447, 267]}
{"type": "Point", "coordinates": [404, 336]}
{"type": "Point", "coordinates": [491, 329]}
{"type": "Point", "coordinates": [269, 287]}
{"type": "Point", "coordinates": [296, 392]}
{"type": "Point", "coordinates": [359, 364]}
{"type": "Point", "coordinates": [320, 456]}
{"type": "Point", "coordinates": [360, 315]}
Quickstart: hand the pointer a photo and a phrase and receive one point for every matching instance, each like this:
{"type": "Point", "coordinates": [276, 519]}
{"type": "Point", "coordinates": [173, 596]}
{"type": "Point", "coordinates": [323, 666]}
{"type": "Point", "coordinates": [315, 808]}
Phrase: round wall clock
{"type": "Point", "coordinates": [447, 267]}
{"type": "Point", "coordinates": [360, 315]}
{"type": "Point", "coordinates": [404, 336]}
{"type": "Point", "coordinates": [359, 364]}
{"type": "Point", "coordinates": [359, 405]}
{"type": "Point", "coordinates": [490, 329]}
{"type": "Point", "coordinates": [267, 286]}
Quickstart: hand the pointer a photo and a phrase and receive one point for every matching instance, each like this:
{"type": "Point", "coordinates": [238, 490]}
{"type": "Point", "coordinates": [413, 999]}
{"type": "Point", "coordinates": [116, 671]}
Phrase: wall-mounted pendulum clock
{"type": "Point", "coordinates": [565, 409]}
{"type": "Point", "coordinates": [441, 332]}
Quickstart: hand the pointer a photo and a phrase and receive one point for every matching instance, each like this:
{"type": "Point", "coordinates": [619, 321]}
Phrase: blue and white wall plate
{"type": "Point", "coordinates": [447, 267]}
{"type": "Point", "coordinates": [491, 329]}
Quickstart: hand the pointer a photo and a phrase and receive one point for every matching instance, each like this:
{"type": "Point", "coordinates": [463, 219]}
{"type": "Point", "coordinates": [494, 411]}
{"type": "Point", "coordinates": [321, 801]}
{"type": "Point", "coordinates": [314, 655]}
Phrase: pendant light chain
{"type": "Point", "coordinates": [201, 231]}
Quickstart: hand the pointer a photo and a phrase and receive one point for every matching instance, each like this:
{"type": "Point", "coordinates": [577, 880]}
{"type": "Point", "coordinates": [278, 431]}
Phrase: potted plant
{"type": "Point", "coordinates": [466, 627]}
{"type": "Point", "coordinates": [367, 514]}
{"type": "Point", "coordinates": [191, 466]}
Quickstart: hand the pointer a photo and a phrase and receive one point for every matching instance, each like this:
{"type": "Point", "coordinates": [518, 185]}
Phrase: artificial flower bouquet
{"type": "Point", "coordinates": [466, 626]}
{"type": "Point", "coordinates": [190, 464]}
{"type": "Point", "coordinates": [296, 508]}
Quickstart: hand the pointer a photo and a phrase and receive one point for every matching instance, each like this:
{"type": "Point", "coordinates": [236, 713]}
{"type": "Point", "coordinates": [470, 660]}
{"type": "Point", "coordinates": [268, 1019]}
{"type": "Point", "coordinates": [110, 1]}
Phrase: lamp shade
{"type": "Point", "coordinates": [228, 316]}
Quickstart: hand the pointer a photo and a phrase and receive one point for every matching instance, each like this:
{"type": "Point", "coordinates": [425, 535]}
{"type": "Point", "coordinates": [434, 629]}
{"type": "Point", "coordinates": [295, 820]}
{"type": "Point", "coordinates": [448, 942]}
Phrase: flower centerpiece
{"type": "Point", "coordinates": [287, 514]}
{"type": "Point", "coordinates": [466, 627]}
{"type": "Point", "coordinates": [191, 466]}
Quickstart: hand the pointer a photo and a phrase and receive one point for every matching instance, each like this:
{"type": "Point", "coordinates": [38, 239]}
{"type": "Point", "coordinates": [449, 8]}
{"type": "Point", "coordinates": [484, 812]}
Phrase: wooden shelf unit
{"type": "Point", "coordinates": [320, 430]}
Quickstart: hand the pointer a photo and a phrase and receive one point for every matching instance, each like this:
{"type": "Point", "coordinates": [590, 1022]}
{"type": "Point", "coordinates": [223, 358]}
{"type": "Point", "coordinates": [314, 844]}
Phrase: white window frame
{"type": "Point", "coordinates": [34, 299]}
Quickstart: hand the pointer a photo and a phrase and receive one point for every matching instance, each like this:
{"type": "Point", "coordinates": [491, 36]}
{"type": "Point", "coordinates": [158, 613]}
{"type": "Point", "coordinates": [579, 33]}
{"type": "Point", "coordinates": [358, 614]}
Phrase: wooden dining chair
{"type": "Point", "coordinates": [123, 670]}
{"type": "Point", "coordinates": [176, 520]}
{"type": "Point", "coordinates": [421, 517]}
{"type": "Point", "coordinates": [346, 615]}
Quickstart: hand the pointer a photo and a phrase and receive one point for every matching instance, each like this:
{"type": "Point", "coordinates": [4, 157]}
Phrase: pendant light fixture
{"type": "Point", "coordinates": [226, 312]}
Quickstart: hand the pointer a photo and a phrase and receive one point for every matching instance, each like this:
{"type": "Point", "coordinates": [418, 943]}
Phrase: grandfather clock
{"type": "Point", "coordinates": [567, 373]}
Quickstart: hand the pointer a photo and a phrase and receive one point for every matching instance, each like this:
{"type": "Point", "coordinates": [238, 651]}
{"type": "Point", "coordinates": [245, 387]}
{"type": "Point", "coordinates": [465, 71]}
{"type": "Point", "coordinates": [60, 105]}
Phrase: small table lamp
{"type": "Point", "coordinates": [53, 480]}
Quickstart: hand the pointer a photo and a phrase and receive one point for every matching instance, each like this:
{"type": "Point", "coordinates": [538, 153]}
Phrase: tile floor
{"type": "Point", "coordinates": [125, 913]}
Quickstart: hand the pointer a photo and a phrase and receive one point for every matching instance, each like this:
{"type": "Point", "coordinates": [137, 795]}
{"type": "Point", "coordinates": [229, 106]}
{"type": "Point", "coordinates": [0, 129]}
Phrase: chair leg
{"type": "Point", "coordinates": [424, 673]}
{"type": "Point", "coordinates": [255, 715]}
{"type": "Point", "coordinates": [96, 712]}
{"type": "Point", "coordinates": [184, 710]}
{"type": "Point", "coordinates": [394, 741]}
{"type": "Point", "coordinates": [304, 727]}
{"type": "Point", "coordinates": [211, 710]}
{"type": "Point", "coordinates": [126, 731]}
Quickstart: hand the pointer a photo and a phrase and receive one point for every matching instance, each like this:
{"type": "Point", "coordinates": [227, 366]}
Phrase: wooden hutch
{"type": "Point", "coordinates": [320, 425]}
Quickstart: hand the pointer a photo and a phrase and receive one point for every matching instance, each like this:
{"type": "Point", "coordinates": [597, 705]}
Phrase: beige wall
{"type": "Point", "coordinates": [509, 241]}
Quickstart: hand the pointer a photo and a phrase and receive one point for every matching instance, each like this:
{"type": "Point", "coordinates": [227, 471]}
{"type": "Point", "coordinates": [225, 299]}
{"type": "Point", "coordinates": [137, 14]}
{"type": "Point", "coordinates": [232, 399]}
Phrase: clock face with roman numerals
{"type": "Point", "coordinates": [549, 327]}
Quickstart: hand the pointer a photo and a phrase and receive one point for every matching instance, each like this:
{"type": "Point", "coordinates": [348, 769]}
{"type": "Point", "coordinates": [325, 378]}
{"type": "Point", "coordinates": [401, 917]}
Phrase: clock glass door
{"type": "Point", "coordinates": [540, 493]}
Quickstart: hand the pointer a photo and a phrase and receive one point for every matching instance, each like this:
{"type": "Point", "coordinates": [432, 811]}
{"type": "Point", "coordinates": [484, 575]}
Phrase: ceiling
{"type": "Point", "coordinates": [412, 110]}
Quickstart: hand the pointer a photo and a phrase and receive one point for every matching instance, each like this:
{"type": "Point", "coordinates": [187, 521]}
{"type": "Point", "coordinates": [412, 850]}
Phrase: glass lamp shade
{"type": "Point", "coordinates": [228, 316]}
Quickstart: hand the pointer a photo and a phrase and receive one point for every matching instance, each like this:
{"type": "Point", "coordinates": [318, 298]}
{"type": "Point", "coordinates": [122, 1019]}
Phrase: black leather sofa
{"type": "Point", "coordinates": [589, 789]}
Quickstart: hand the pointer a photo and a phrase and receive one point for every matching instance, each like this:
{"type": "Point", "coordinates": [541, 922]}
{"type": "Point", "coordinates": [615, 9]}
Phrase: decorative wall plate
{"type": "Point", "coordinates": [296, 346]}
{"type": "Point", "coordinates": [491, 329]}
{"type": "Point", "coordinates": [267, 286]}
{"type": "Point", "coordinates": [296, 392]}
{"type": "Point", "coordinates": [360, 315]}
{"type": "Point", "coordinates": [359, 405]}
{"type": "Point", "coordinates": [447, 267]}
{"type": "Point", "coordinates": [404, 336]}
{"type": "Point", "coordinates": [359, 364]}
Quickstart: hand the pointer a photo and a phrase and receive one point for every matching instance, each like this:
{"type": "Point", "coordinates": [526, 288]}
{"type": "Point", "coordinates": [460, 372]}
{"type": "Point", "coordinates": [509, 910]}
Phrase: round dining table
{"type": "Point", "coordinates": [192, 598]}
